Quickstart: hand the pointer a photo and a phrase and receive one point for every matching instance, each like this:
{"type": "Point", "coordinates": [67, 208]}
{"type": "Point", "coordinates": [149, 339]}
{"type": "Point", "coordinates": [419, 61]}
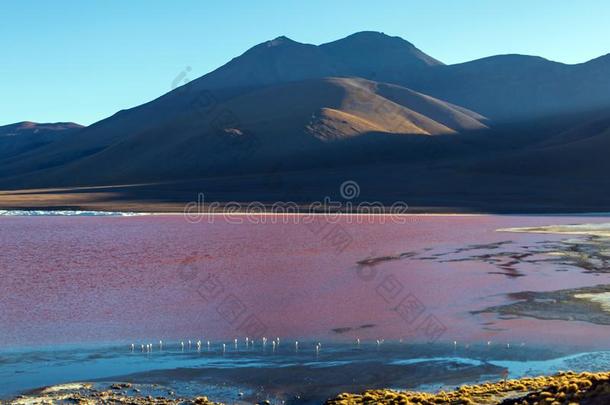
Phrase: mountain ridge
{"type": "Point", "coordinates": [365, 101]}
{"type": "Point", "coordinates": [312, 112]}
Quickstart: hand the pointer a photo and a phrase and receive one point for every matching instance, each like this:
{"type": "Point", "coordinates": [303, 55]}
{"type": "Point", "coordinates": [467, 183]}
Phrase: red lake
{"type": "Point", "coordinates": [124, 279]}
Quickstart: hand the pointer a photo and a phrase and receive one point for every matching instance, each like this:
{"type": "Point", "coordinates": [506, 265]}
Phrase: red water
{"type": "Point", "coordinates": [94, 279]}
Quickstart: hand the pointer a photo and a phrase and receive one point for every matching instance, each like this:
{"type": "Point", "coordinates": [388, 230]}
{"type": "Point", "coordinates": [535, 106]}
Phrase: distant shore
{"type": "Point", "coordinates": [175, 197]}
{"type": "Point", "coordinates": [117, 199]}
{"type": "Point", "coordinates": [100, 211]}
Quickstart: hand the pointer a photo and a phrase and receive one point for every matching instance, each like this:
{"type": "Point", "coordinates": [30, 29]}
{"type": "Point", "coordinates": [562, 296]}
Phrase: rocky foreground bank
{"type": "Point", "coordinates": [567, 388]}
{"type": "Point", "coordinates": [91, 394]}
{"type": "Point", "coordinates": [564, 388]}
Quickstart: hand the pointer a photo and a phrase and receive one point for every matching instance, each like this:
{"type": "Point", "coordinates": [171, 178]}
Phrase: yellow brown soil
{"type": "Point", "coordinates": [88, 394]}
{"type": "Point", "coordinates": [564, 388]}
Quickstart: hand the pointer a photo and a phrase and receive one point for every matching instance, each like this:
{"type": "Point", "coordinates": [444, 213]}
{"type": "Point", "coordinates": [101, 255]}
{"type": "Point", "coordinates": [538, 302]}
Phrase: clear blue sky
{"type": "Point", "coordinates": [82, 61]}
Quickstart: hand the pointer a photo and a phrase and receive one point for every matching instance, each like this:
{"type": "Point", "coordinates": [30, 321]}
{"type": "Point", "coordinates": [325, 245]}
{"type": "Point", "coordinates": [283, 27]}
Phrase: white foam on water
{"type": "Point", "coordinates": [591, 361]}
{"type": "Point", "coordinates": [460, 360]}
{"type": "Point", "coordinates": [67, 213]}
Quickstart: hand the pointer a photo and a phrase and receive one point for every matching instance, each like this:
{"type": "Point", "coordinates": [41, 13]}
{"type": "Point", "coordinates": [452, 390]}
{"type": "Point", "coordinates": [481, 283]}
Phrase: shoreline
{"type": "Point", "coordinates": [117, 392]}
{"type": "Point", "coordinates": [174, 198]}
{"type": "Point", "coordinates": [563, 387]}
{"type": "Point", "coordinates": [25, 212]}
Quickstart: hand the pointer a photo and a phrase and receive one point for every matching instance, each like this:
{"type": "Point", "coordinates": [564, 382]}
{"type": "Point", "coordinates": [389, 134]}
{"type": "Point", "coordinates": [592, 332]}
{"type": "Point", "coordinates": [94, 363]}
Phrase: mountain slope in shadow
{"type": "Point", "coordinates": [23, 137]}
{"type": "Point", "coordinates": [517, 87]}
{"type": "Point", "coordinates": [579, 152]}
{"type": "Point", "coordinates": [295, 120]}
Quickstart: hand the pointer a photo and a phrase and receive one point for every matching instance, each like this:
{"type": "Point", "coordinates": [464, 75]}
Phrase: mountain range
{"type": "Point", "coordinates": [292, 121]}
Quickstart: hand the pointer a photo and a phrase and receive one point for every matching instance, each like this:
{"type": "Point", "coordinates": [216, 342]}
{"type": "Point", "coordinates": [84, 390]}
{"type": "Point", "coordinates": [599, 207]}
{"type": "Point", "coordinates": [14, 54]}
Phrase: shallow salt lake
{"type": "Point", "coordinates": [283, 374]}
{"type": "Point", "coordinates": [87, 287]}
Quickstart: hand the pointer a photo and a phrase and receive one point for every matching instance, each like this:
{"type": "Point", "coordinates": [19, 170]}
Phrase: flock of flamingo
{"type": "Point", "coordinates": [250, 343]}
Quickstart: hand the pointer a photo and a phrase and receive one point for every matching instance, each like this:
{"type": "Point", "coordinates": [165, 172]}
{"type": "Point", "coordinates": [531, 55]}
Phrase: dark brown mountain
{"type": "Point", "coordinates": [504, 88]}
{"type": "Point", "coordinates": [371, 55]}
{"type": "Point", "coordinates": [578, 152]}
{"type": "Point", "coordinates": [516, 87]}
{"type": "Point", "coordinates": [259, 128]}
{"type": "Point", "coordinates": [370, 106]}
{"type": "Point", "coordinates": [27, 136]}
